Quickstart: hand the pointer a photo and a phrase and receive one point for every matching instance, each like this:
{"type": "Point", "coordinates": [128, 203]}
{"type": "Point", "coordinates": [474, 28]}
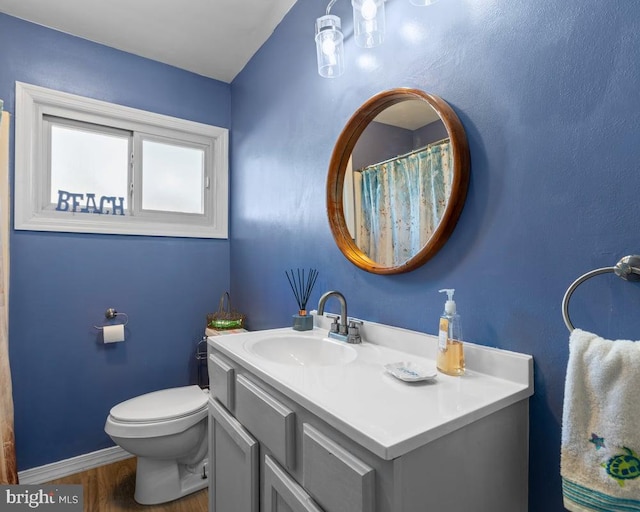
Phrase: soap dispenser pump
{"type": "Point", "coordinates": [450, 359]}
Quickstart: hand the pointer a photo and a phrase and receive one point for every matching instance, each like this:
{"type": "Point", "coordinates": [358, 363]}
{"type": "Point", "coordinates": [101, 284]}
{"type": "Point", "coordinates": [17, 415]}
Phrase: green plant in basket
{"type": "Point", "coordinates": [226, 317]}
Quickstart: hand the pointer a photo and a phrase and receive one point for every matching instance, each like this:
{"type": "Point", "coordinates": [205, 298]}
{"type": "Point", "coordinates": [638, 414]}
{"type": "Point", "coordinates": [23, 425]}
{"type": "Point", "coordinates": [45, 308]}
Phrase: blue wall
{"type": "Point", "coordinates": [548, 94]}
{"type": "Point", "coordinates": [64, 382]}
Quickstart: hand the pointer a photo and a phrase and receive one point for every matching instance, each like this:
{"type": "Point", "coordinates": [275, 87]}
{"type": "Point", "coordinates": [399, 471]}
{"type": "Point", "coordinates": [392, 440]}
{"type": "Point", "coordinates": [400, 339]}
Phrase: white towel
{"type": "Point", "coordinates": [600, 454]}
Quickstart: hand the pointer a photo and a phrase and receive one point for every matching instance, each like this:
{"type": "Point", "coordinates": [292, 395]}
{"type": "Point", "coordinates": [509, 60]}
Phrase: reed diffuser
{"type": "Point", "coordinates": [302, 285]}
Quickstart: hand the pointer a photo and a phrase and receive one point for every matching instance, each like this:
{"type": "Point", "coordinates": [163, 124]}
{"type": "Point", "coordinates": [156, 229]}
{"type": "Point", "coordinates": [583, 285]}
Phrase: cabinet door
{"type": "Point", "coordinates": [233, 462]}
{"type": "Point", "coordinates": [282, 493]}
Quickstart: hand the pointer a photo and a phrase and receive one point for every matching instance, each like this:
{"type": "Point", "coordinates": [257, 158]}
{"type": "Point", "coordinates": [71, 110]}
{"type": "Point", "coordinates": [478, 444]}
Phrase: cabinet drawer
{"type": "Point", "coordinates": [336, 479]}
{"type": "Point", "coordinates": [221, 380]}
{"type": "Point", "coordinates": [282, 493]}
{"type": "Point", "coordinates": [267, 419]}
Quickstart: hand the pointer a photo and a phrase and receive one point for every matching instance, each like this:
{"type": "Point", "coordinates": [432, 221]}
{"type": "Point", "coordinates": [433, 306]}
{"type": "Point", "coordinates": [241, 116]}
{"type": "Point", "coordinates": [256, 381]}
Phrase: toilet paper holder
{"type": "Point", "coordinates": [110, 314]}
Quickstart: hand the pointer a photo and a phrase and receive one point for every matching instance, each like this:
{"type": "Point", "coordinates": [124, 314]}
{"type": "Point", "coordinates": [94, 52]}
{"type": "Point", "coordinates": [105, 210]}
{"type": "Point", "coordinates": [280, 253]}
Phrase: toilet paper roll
{"type": "Point", "coordinates": [113, 333]}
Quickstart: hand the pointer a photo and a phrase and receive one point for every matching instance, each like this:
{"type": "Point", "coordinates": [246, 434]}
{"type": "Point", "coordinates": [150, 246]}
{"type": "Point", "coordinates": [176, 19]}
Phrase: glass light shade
{"type": "Point", "coordinates": [368, 22]}
{"type": "Point", "coordinates": [329, 46]}
{"type": "Point", "coordinates": [422, 3]}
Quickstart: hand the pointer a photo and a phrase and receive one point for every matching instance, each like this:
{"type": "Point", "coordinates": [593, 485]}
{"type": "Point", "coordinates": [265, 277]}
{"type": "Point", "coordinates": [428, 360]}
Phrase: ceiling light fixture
{"type": "Point", "coordinates": [368, 29]}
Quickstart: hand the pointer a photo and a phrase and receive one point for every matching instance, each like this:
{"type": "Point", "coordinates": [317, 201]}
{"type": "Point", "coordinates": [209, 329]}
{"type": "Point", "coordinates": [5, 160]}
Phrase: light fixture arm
{"type": "Point", "coordinates": [330, 6]}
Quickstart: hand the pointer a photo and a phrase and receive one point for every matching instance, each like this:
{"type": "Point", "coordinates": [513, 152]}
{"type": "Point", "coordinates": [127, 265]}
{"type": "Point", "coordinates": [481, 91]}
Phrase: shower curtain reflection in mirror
{"type": "Point", "coordinates": [401, 201]}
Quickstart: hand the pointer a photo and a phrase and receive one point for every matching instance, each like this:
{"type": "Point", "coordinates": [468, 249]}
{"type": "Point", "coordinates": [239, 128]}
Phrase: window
{"type": "Point", "coordinates": [84, 165]}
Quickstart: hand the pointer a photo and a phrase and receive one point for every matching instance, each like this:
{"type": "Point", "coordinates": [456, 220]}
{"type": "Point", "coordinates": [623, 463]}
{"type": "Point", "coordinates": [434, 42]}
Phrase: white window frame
{"type": "Point", "coordinates": [32, 209]}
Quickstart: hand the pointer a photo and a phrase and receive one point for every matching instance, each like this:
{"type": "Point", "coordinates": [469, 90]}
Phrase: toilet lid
{"type": "Point", "coordinates": [161, 405]}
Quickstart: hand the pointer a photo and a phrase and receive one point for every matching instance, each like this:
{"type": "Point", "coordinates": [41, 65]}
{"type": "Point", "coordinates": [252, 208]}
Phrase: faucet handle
{"type": "Point", "coordinates": [335, 323]}
{"type": "Point", "coordinates": [354, 330]}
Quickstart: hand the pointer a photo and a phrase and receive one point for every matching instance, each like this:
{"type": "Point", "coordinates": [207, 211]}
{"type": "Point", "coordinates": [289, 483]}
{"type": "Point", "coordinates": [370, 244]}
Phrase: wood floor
{"type": "Point", "coordinates": [110, 489]}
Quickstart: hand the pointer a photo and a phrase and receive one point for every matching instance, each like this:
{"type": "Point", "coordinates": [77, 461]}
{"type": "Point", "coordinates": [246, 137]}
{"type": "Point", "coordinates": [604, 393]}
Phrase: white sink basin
{"type": "Point", "coordinates": [301, 350]}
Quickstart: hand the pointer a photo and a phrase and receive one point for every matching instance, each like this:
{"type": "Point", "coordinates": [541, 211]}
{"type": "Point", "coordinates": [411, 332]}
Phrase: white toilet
{"type": "Point", "coordinates": [167, 430]}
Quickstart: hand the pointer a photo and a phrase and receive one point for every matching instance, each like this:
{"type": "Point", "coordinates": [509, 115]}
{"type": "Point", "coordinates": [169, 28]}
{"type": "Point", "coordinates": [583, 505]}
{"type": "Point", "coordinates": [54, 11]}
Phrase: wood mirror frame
{"type": "Point", "coordinates": [340, 159]}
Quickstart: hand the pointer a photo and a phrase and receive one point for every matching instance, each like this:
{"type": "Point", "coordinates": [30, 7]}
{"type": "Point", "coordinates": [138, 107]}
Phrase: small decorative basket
{"type": "Point", "coordinates": [226, 317]}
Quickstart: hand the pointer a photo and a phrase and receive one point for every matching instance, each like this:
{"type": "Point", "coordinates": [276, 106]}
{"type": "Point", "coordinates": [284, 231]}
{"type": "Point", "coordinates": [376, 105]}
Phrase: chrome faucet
{"type": "Point", "coordinates": [339, 329]}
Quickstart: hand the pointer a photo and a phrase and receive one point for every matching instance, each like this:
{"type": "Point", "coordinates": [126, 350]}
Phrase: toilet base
{"type": "Point", "coordinates": [159, 481]}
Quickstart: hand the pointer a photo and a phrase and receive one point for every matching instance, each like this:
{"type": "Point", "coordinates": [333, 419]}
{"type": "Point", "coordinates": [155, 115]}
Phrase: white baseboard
{"type": "Point", "coordinates": [62, 468]}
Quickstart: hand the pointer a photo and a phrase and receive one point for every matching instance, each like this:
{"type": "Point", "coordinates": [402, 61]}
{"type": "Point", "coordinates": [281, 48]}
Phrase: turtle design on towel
{"type": "Point", "coordinates": [623, 466]}
{"type": "Point", "coordinates": [597, 441]}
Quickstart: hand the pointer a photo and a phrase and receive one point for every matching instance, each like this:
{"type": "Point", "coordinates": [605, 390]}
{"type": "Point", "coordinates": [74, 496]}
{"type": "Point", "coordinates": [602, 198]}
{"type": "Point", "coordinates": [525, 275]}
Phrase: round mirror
{"type": "Point", "coordinates": [397, 181]}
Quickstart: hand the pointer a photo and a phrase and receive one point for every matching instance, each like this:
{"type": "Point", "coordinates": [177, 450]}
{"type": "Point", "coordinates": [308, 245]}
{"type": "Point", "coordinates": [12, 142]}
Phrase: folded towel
{"type": "Point", "coordinates": [600, 453]}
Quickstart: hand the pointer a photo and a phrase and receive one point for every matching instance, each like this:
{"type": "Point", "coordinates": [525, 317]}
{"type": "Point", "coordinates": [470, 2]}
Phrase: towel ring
{"type": "Point", "coordinates": [628, 268]}
{"type": "Point", "coordinates": [110, 314]}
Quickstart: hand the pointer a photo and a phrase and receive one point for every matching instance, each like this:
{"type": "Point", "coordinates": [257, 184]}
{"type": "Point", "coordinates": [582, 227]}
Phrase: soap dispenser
{"type": "Point", "coordinates": [450, 359]}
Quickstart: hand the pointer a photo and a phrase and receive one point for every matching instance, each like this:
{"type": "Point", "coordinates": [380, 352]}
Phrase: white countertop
{"type": "Point", "coordinates": [387, 416]}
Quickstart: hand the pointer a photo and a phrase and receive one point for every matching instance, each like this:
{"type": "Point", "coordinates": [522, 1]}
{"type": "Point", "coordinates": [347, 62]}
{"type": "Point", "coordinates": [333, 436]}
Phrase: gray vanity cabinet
{"type": "Point", "coordinates": [270, 453]}
{"type": "Point", "coordinates": [266, 455]}
{"type": "Point", "coordinates": [329, 439]}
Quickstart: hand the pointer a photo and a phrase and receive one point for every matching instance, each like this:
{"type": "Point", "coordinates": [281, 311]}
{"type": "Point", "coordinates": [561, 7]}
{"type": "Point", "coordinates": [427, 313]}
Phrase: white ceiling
{"type": "Point", "coordinates": [214, 38]}
{"type": "Point", "coordinates": [410, 115]}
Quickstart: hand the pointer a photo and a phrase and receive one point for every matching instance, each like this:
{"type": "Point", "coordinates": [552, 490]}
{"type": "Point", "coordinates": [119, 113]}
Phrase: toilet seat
{"type": "Point", "coordinates": [160, 405]}
{"type": "Point", "coordinates": [159, 413]}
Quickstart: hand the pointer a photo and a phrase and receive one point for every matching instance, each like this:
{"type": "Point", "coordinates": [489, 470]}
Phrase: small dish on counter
{"type": "Point", "coordinates": [410, 372]}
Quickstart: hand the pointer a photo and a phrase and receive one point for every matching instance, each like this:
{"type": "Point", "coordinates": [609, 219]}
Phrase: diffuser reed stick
{"type": "Point", "coordinates": [302, 285]}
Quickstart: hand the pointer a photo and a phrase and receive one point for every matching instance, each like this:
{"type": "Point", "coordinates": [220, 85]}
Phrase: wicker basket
{"type": "Point", "coordinates": [226, 317]}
